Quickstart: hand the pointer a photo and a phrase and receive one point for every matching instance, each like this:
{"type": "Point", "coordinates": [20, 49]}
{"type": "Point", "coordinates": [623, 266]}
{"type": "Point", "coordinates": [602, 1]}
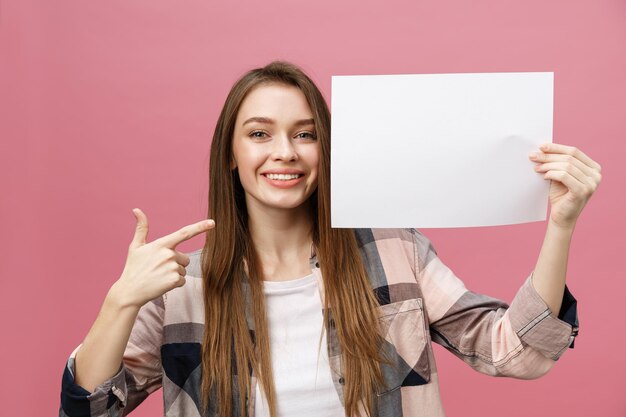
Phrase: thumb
{"type": "Point", "coordinates": [141, 231]}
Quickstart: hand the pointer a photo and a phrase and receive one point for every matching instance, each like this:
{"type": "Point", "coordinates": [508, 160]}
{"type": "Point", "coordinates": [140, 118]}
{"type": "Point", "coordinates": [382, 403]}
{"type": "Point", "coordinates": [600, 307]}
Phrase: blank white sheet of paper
{"type": "Point", "coordinates": [439, 150]}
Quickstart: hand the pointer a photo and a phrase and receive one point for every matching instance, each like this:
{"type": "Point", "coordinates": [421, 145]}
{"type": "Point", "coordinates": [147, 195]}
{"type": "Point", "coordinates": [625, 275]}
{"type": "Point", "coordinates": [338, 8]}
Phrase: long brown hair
{"type": "Point", "coordinates": [231, 276]}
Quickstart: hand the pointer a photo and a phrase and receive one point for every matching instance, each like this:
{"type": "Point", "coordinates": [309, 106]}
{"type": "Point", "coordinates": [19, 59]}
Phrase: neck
{"type": "Point", "coordinates": [282, 240]}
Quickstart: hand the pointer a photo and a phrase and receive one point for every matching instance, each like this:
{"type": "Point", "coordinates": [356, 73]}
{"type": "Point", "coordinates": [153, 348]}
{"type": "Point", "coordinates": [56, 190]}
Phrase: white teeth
{"type": "Point", "coordinates": [282, 177]}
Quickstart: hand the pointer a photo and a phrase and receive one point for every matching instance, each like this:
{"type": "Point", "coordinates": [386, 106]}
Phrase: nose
{"type": "Point", "coordinates": [283, 149]}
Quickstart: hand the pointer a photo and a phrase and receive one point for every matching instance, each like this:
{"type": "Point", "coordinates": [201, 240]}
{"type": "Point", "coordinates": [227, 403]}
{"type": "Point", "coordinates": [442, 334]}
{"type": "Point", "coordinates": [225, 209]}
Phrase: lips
{"type": "Point", "coordinates": [283, 177]}
{"type": "Point", "coordinates": [284, 171]}
{"type": "Point", "coordinates": [286, 178]}
{"type": "Point", "coordinates": [283, 174]}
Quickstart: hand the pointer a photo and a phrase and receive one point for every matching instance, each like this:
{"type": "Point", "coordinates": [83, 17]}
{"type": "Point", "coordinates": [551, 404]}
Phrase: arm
{"type": "Point", "coordinates": [521, 341]}
{"type": "Point", "coordinates": [100, 355]}
{"type": "Point", "coordinates": [574, 178]}
{"type": "Point", "coordinates": [549, 275]}
{"type": "Point", "coordinates": [118, 363]}
{"type": "Point", "coordinates": [130, 378]}
{"type": "Point", "coordinates": [524, 340]}
{"type": "Point", "coordinates": [151, 270]}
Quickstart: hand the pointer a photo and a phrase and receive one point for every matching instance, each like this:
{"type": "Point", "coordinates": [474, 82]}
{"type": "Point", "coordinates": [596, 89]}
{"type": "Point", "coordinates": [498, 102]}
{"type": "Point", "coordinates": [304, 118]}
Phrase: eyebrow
{"type": "Point", "coordinates": [267, 120]}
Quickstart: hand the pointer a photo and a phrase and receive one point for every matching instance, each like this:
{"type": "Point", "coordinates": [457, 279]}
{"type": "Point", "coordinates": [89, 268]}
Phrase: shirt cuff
{"type": "Point", "coordinates": [538, 327]}
{"type": "Point", "coordinates": [76, 401]}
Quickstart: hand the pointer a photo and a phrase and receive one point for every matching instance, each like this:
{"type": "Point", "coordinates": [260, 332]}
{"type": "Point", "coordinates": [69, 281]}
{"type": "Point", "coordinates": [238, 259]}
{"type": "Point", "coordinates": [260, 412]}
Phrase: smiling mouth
{"type": "Point", "coordinates": [283, 177]}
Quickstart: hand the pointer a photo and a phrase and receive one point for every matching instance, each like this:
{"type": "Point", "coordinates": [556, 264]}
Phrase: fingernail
{"type": "Point", "coordinates": [209, 223]}
{"type": "Point", "coordinates": [532, 155]}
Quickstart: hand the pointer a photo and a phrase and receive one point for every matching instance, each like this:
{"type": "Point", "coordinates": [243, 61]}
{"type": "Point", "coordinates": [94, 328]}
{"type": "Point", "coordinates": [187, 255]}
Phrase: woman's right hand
{"type": "Point", "coordinates": [154, 268]}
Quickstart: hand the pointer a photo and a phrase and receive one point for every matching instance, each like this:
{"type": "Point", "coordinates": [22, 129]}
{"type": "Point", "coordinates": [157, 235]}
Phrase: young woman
{"type": "Point", "coordinates": [281, 315]}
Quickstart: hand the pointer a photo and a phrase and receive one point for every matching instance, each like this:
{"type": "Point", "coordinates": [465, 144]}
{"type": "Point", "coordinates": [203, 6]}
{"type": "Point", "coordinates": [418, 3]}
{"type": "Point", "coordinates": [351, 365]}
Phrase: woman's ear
{"type": "Point", "coordinates": [233, 163]}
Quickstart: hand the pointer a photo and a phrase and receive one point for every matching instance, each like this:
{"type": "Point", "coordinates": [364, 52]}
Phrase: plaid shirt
{"type": "Point", "coordinates": [420, 300]}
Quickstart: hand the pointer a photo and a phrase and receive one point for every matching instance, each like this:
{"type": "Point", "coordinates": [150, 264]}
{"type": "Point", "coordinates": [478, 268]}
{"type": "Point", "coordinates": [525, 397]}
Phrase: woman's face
{"type": "Point", "coordinates": [275, 147]}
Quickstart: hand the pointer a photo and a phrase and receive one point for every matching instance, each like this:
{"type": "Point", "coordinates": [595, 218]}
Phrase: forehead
{"type": "Point", "coordinates": [276, 101]}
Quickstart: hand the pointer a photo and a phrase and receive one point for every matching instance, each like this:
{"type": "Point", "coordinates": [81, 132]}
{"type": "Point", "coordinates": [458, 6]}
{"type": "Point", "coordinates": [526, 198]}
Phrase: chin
{"type": "Point", "coordinates": [288, 204]}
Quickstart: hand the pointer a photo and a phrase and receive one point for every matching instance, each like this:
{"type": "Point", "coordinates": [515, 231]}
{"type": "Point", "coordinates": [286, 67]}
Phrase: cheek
{"type": "Point", "coordinates": [315, 163]}
{"type": "Point", "coordinates": [245, 159]}
{"type": "Point", "coordinates": [234, 151]}
{"type": "Point", "coordinates": [246, 167]}
{"type": "Point", "coordinates": [313, 157]}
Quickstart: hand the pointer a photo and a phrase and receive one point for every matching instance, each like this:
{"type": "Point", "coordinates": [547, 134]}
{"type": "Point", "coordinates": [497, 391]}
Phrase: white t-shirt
{"type": "Point", "coordinates": [304, 387]}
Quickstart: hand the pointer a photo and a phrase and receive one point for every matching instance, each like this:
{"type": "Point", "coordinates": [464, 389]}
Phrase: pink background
{"type": "Point", "coordinates": [111, 105]}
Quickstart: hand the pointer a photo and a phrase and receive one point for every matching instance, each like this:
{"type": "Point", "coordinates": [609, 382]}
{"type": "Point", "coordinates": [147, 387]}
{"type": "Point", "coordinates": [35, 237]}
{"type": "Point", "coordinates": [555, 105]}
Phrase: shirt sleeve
{"type": "Point", "coordinates": [522, 340]}
{"type": "Point", "coordinates": [139, 375]}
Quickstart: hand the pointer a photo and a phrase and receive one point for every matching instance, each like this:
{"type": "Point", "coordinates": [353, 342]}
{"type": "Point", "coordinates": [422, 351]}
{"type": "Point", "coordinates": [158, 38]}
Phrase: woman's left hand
{"type": "Point", "coordinates": [574, 177]}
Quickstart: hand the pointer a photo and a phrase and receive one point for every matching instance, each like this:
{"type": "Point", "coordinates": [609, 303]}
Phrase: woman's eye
{"type": "Point", "coordinates": [257, 134]}
{"type": "Point", "coordinates": [306, 135]}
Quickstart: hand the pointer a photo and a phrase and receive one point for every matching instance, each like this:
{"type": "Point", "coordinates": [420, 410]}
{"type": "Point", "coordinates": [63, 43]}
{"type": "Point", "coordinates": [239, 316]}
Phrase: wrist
{"type": "Point", "coordinates": [567, 229]}
{"type": "Point", "coordinates": [117, 299]}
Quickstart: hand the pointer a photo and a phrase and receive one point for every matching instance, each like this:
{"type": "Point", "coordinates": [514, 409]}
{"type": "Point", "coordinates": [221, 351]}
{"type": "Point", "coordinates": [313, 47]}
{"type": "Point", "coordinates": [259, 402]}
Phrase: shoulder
{"type": "Point", "coordinates": [408, 236]}
{"type": "Point", "coordinates": [394, 245]}
{"type": "Point", "coordinates": [412, 235]}
{"type": "Point", "coordinates": [368, 236]}
{"type": "Point", "coordinates": [387, 252]}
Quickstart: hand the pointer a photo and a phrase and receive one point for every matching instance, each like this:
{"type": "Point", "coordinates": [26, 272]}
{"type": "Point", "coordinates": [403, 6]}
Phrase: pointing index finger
{"type": "Point", "coordinates": [185, 233]}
